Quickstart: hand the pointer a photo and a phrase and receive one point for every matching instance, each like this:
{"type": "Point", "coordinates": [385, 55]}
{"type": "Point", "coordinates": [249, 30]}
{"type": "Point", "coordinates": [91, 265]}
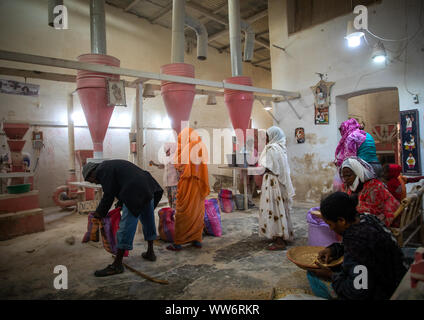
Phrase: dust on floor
{"type": "Point", "coordinates": [235, 266]}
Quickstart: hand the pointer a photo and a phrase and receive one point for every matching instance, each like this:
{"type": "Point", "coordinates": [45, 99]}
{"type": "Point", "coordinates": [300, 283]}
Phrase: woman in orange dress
{"type": "Point", "coordinates": [193, 188]}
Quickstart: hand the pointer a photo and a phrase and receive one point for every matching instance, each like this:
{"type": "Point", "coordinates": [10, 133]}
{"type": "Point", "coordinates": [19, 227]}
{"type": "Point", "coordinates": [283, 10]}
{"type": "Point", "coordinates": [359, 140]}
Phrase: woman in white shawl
{"type": "Point", "coordinates": [277, 191]}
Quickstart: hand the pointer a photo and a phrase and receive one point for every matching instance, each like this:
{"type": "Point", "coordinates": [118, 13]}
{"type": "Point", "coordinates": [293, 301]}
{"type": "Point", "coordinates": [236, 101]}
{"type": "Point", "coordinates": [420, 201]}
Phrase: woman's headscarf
{"type": "Point", "coordinates": [394, 171]}
{"type": "Point", "coordinates": [191, 158]}
{"type": "Point", "coordinates": [352, 138]}
{"type": "Point", "coordinates": [363, 170]}
{"type": "Point", "coordinates": [274, 158]}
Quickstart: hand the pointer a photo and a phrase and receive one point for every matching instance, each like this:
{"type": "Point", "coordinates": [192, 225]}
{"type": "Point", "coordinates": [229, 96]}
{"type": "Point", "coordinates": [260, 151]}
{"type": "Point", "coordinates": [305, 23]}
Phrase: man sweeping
{"type": "Point", "coordinates": [140, 194]}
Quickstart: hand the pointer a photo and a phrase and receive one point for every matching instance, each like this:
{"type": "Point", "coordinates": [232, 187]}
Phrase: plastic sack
{"type": "Point", "coordinates": [319, 233]}
{"type": "Point", "coordinates": [167, 224]}
{"type": "Point", "coordinates": [213, 225]}
{"type": "Point", "coordinates": [107, 227]}
{"type": "Point", "coordinates": [226, 200]}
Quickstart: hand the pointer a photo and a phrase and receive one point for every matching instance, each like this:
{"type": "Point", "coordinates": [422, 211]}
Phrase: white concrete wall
{"type": "Point", "coordinates": [139, 45]}
{"type": "Point", "coordinates": [323, 49]}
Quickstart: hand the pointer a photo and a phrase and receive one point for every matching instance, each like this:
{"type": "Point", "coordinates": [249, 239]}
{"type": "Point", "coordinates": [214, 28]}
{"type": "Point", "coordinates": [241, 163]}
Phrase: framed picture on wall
{"type": "Point", "coordinates": [116, 93]}
{"type": "Point", "coordinates": [322, 101]}
{"type": "Point", "coordinates": [410, 142]}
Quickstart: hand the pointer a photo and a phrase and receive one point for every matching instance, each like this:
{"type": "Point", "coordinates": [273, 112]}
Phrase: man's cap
{"type": "Point", "coordinates": [88, 168]}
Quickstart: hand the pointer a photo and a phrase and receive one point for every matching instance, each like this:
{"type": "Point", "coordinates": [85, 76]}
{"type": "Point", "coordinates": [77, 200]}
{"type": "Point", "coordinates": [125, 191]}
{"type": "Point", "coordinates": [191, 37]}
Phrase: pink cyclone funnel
{"type": "Point", "coordinates": [92, 91]}
{"type": "Point", "coordinates": [178, 97]}
{"type": "Point", "coordinates": [239, 104]}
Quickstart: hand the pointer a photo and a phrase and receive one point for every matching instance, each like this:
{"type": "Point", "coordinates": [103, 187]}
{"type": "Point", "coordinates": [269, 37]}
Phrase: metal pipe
{"type": "Point", "coordinates": [178, 42]}
{"type": "Point", "coordinates": [249, 40]}
{"type": "Point", "coordinates": [98, 26]}
{"type": "Point", "coordinates": [71, 136]}
{"type": "Point", "coordinates": [201, 34]}
{"type": "Point", "coordinates": [51, 5]}
{"type": "Point", "coordinates": [235, 37]}
{"type": "Point", "coordinates": [139, 125]}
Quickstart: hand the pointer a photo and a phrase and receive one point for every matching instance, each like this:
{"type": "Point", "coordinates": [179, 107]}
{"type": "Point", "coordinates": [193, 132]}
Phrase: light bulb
{"type": "Point", "coordinates": [379, 59]}
{"type": "Point", "coordinates": [354, 41]}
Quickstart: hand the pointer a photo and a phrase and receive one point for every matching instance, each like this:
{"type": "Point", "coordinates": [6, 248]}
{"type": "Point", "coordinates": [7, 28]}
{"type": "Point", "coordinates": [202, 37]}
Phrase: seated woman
{"type": "Point", "coordinates": [359, 179]}
{"type": "Point", "coordinates": [393, 179]}
{"type": "Point", "coordinates": [373, 264]}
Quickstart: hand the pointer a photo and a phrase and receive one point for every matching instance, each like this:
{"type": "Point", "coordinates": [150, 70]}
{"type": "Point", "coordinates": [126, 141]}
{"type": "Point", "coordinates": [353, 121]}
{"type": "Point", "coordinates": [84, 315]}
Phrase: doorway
{"type": "Point", "coordinates": [377, 110]}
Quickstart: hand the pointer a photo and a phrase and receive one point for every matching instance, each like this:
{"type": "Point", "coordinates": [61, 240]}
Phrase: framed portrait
{"type": "Point", "coordinates": [300, 135]}
{"type": "Point", "coordinates": [116, 93]}
{"type": "Point", "coordinates": [322, 101]}
{"type": "Point", "coordinates": [410, 142]}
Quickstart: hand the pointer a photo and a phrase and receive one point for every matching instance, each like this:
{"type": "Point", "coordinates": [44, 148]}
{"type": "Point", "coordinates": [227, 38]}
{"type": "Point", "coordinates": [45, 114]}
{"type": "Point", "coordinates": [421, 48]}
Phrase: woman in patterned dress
{"type": "Point", "coordinates": [277, 192]}
{"type": "Point", "coordinates": [360, 180]}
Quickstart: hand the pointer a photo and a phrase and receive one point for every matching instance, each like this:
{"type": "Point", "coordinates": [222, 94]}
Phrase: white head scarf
{"type": "Point", "coordinates": [362, 169]}
{"type": "Point", "coordinates": [274, 158]}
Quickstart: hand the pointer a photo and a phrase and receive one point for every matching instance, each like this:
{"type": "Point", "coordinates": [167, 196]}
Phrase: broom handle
{"type": "Point", "coordinates": [145, 276]}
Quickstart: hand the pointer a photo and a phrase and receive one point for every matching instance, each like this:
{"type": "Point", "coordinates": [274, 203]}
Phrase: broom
{"type": "Point", "coordinates": [145, 276]}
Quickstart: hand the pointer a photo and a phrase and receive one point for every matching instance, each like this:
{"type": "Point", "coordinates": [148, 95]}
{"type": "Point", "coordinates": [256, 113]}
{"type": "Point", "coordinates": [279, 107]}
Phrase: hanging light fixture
{"type": "Point", "coordinates": [268, 106]}
{"type": "Point", "coordinates": [211, 100]}
{"type": "Point", "coordinates": [379, 54]}
{"type": "Point", "coordinates": [148, 91]}
{"type": "Point", "coordinates": [353, 36]}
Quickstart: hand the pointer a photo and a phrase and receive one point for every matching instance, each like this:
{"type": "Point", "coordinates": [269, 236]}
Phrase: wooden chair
{"type": "Point", "coordinates": [409, 213]}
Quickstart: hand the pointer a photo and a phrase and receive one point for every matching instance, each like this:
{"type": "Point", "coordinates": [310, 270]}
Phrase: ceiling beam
{"type": "Point", "coordinates": [77, 65]}
{"type": "Point", "coordinates": [202, 10]}
{"type": "Point", "coordinates": [132, 4]}
{"type": "Point", "coordinates": [260, 61]}
{"type": "Point", "coordinates": [251, 19]}
{"type": "Point", "coordinates": [33, 74]}
{"type": "Point", "coordinates": [161, 13]}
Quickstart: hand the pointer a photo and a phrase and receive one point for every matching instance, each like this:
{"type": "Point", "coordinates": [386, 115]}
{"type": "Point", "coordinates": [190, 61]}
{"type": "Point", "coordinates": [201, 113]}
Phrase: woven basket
{"type": "Point", "coordinates": [305, 257]}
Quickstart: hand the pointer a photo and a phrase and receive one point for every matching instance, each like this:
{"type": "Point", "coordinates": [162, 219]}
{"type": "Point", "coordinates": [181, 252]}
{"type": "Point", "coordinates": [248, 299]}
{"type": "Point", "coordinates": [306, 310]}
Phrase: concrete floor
{"type": "Point", "coordinates": [234, 266]}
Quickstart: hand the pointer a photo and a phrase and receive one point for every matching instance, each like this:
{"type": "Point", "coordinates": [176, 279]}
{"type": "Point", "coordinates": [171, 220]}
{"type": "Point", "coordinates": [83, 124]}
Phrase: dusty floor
{"type": "Point", "coordinates": [235, 266]}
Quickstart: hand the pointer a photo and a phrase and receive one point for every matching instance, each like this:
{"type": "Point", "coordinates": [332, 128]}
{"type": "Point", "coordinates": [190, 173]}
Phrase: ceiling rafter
{"type": "Point", "coordinates": [206, 15]}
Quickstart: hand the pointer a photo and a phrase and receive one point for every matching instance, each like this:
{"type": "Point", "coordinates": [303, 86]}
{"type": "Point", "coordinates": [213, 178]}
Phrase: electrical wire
{"type": "Point", "coordinates": [408, 38]}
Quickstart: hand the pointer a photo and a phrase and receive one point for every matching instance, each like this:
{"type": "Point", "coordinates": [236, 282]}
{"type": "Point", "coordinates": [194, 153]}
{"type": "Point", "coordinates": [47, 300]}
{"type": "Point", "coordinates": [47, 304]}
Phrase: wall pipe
{"type": "Point", "coordinates": [201, 34]}
{"type": "Point", "coordinates": [235, 37]}
{"type": "Point", "coordinates": [178, 42]}
{"type": "Point", "coordinates": [71, 136]}
{"type": "Point", "coordinates": [98, 26]}
{"type": "Point", "coordinates": [249, 42]}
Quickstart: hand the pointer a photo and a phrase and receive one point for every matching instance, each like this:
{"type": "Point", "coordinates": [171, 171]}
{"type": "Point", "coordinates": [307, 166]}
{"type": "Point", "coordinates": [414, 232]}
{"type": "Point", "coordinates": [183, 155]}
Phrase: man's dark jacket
{"type": "Point", "coordinates": [129, 184]}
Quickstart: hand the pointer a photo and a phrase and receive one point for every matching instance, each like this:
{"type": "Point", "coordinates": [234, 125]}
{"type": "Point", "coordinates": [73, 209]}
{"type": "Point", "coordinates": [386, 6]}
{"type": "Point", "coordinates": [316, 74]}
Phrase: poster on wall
{"type": "Point", "coordinates": [116, 93]}
{"type": "Point", "coordinates": [322, 101]}
{"type": "Point", "coordinates": [300, 135]}
{"type": "Point", "coordinates": [19, 88]}
{"type": "Point", "coordinates": [410, 139]}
